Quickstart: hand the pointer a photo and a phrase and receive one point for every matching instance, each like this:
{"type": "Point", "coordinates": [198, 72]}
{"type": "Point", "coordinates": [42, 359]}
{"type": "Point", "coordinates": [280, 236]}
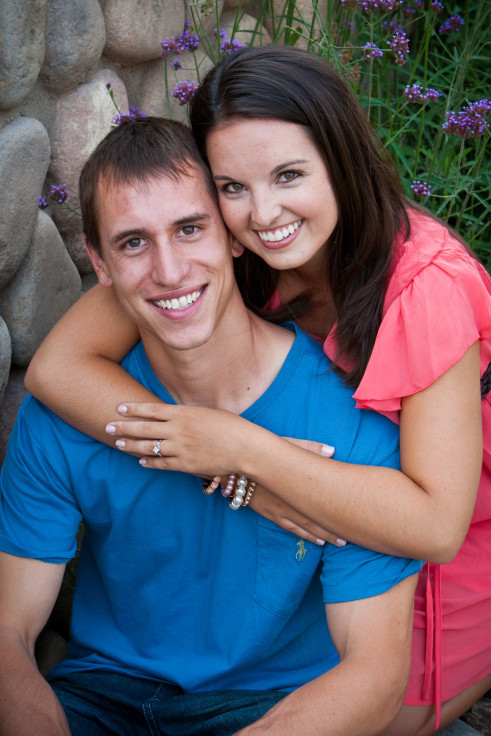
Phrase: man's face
{"type": "Point", "coordinates": [165, 250]}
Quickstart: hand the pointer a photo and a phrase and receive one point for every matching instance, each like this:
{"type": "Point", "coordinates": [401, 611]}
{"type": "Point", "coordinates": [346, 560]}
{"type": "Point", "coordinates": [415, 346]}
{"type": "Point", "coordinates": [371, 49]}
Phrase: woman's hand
{"type": "Point", "coordinates": [270, 506]}
{"type": "Point", "coordinates": [267, 504]}
{"type": "Point", "coordinates": [191, 439]}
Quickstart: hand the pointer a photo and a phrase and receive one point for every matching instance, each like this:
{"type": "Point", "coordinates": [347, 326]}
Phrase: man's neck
{"type": "Point", "coordinates": [231, 371]}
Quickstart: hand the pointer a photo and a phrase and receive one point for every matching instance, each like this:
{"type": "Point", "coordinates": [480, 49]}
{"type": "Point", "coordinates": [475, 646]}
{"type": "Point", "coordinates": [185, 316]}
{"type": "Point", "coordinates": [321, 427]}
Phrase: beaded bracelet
{"type": "Point", "coordinates": [208, 488]}
{"type": "Point", "coordinates": [252, 488]}
{"type": "Point", "coordinates": [243, 494]}
{"type": "Point", "coordinates": [240, 489]}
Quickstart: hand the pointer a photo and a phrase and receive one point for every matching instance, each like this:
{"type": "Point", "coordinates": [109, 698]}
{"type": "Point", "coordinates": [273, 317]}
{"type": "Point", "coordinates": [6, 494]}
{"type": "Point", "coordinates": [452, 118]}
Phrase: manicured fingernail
{"type": "Point", "coordinates": [120, 443]}
{"type": "Point", "coordinates": [123, 409]}
{"type": "Point", "coordinates": [327, 450]}
{"type": "Point", "coordinates": [321, 542]}
{"type": "Point", "coordinates": [341, 542]}
{"type": "Point", "coordinates": [142, 461]}
{"type": "Point", "coordinates": [110, 429]}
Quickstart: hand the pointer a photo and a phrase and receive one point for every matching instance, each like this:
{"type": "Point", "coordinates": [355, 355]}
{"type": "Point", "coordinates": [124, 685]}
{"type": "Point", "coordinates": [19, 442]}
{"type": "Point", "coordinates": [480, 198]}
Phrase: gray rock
{"type": "Point", "coordinates": [88, 281]}
{"type": "Point", "coordinates": [134, 27]}
{"type": "Point", "coordinates": [46, 285]}
{"type": "Point", "coordinates": [39, 104]}
{"type": "Point", "coordinates": [9, 406]}
{"type": "Point", "coordinates": [83, 118]}
{"type": "Point", "coordinates": [5, 356]}
{"type": "Point", "coordinates": [75, 38]}
{"type": "Point", "coordinates": [22, 48]}
{"type": "Point", "coordinates": [23, 164]}
{"type": "Point", "coordinates": [479, 716]}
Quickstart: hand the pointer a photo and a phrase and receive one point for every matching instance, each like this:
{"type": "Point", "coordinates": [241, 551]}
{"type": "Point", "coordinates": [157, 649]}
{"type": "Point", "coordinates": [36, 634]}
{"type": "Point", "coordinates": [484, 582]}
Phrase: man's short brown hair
{"type": "Point", "coordinates": [133, 152]}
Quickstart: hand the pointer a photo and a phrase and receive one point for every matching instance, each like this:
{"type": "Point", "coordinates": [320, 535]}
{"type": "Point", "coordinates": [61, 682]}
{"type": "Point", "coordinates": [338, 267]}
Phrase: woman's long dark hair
{"type": "Point", "coordinates": [296, 86]}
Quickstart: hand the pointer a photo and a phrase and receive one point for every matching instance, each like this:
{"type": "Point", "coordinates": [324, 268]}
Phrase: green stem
{"type": "Point", "coordinates": [473, 177]}
{"type": "Point", "coordinates": [67, 207]}
{"type": "Point", "coordinates": [370, 70]}
{"type": "Point", "coordinates": [167, 93]}
{"type": "Point", "coordinates": [459, 163]}
{"type": "Point", "coordinates": [111, 95]}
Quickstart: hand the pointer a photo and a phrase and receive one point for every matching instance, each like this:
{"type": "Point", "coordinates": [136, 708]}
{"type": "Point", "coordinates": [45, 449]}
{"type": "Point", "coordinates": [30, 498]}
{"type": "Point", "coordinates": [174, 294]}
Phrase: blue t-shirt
{"type": "Point", "coordinates": [173, 584]}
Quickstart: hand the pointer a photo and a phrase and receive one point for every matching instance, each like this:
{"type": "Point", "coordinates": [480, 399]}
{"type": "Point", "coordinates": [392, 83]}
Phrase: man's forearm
{"type": "Point", "coordinates": [350, 700]}
{"type": "Point", "coordinates": [28, 704]}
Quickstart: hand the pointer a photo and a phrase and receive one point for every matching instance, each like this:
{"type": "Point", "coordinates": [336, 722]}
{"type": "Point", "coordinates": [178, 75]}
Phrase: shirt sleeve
{"type": "Point", "coordinates": [39, 516]}
{"type": "Point", "coordinates": [430, 322]}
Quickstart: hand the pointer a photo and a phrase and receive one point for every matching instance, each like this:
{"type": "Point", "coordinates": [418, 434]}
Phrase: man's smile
{"type": "Point", "coordinates": [181, 302]}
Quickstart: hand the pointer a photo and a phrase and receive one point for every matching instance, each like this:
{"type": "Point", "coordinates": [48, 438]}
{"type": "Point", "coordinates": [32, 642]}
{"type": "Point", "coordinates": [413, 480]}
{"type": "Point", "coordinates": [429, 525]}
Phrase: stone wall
{"type": "Point", "coordinates": [56, 58]}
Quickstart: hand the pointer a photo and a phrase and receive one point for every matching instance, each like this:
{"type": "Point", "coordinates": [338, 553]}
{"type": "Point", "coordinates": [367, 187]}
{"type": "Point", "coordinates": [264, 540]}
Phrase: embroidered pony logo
{"type": "Point", "coordinates": [301, 550]}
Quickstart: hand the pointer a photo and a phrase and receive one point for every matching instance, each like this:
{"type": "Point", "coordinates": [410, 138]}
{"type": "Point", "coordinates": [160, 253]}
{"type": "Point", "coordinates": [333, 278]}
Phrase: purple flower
{"type": "Point", "coordinates": [226, 47]}
{"type": "Point", "coordinates": [109, 85]}
{"type": "Point", "coordinates": [481, 107]}
{"type": "Point", "coordinates": [133, 113]}
{"type": "Point", "coordinates": [170, 47]}
{"type": "Point", "coordinates": [417, 93]}
{"type": "Point", "coordinates": [373, 6]}
{"type": "Point", "coordinates": [58, 193]}
{"type": "Point", "coordinates": [399, 46]}
{"type": "Point", "coordinates": [391, 26]}
{"type": "Point", "coordinates": [469, 122]}
{"type": "Point", "coordinates": [187, 40]}
{"type": "Point", "coordinates": [437, 6]}
{"type": "Point", "coordinates": [421, 188]}
{"type": "Point", "coordinates": [42, 203]}
{"type": "Point", "coordinates": [184, 91]}
{"type": "Point", "coordinates": [372, 51]}
{"type": "Point", "coordinates": [222, 34]}
{"type": "Point", "coordinates": [409, 11]}
{"type": "Point", "coordinates": [454, 23]}
{"type": "Point", "coordinates": [176, 64]}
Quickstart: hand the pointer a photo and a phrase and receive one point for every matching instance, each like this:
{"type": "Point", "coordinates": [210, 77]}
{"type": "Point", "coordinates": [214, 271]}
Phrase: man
{"type": "Point", "coordinates": [190, 618]}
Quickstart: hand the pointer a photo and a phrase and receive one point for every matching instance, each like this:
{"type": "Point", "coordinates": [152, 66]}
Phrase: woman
{"type": "Point", "coordinates": [404, 310]}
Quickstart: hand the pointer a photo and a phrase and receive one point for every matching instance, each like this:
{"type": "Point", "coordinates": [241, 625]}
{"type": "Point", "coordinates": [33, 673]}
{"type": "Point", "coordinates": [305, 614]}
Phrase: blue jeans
{"type": "Point", "coordinates": [98, 703]}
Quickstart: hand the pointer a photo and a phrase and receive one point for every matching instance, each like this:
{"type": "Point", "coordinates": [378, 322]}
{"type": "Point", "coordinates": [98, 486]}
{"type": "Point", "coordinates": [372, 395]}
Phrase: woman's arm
{"type": "Point", "coordinates": [423, 512]}
{"type": "Point", "coordinates": [75, 371]}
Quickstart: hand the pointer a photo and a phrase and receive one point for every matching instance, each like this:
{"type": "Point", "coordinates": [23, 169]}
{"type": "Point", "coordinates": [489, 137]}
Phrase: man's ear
{"type": "Point", "coordinates": [236, 247]}
{"type": "Point", "coordinates": [98, 263]}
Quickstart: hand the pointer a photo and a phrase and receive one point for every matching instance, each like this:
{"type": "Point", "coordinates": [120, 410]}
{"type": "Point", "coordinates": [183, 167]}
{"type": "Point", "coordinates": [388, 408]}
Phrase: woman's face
{"type": "Point", "coordinates": [274, 191]}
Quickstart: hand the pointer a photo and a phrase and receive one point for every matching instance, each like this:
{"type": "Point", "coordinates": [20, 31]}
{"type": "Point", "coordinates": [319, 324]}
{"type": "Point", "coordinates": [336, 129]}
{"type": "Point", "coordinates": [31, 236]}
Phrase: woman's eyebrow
{"type": "Point", "coordinates": [287, 164]}
{"type": "Point", "coordinates": [280, 167]}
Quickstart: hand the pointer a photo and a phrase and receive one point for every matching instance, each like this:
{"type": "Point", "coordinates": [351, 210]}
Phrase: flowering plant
{"type": "Point", "coordinates": [417, 66]}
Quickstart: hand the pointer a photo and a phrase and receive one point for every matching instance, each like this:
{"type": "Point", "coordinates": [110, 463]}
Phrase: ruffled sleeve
{"type": "Point", "coordinates": [438, 304]}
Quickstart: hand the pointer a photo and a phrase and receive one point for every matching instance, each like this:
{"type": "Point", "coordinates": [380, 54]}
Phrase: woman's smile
{"type": "Point", "coordinates": [281, 236]}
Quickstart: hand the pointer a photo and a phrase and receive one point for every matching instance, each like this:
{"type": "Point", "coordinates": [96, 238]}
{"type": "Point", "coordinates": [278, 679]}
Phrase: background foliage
{"type": "Point", "coordinates": [421, 71]}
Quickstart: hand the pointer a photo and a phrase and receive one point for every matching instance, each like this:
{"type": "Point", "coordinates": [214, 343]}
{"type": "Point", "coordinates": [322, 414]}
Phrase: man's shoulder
{"type": "Point", "coordinates": [45, 433]}
{"type": "Point", "coordinates": [309, 350]}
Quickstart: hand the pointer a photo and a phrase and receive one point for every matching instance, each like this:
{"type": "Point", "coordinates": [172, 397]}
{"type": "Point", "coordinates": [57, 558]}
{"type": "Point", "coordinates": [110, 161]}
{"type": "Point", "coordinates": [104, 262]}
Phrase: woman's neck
{"type": "Point", "coordinates": [320, 318]}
